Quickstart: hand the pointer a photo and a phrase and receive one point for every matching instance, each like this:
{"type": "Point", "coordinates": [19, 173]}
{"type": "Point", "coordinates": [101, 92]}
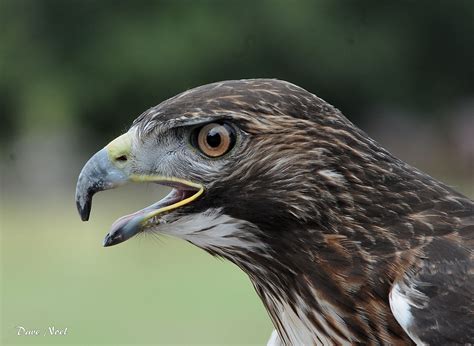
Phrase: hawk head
{"type": "Point", "coordinates": [247, 162]}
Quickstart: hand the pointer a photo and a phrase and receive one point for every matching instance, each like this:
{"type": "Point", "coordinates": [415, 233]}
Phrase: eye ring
{"type": "Point", "coordinates": [214, 139]}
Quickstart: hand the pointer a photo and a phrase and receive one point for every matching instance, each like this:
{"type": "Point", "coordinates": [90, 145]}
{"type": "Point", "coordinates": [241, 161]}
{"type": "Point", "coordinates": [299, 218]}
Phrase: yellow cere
{"type": "Point", "coordinates": [120, 146]}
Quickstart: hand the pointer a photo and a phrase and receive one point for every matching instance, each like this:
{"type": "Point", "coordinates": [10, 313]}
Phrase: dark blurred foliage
{"type": "Point", "coordinates": [95, 65]}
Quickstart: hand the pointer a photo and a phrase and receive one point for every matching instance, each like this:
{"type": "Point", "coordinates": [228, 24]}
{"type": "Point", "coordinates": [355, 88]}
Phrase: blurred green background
{"type": "Point", "coordinates": [74, 74]}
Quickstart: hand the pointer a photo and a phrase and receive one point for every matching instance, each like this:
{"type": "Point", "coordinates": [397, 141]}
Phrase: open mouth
{"type": "Point", "coordinates": [99, 174]}
{"type": "Point", "coordinates": [127, 226]}
{"type": "Point", "coordinates": [108, 169]}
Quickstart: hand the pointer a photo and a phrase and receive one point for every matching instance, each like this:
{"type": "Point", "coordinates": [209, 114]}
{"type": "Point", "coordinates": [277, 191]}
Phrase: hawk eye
{"type": "Point", "coordinates": [214, 139]}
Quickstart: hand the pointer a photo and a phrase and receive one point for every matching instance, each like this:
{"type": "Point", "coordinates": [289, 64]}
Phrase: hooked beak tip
{"type": "Point", "coordinates": [84, 210]}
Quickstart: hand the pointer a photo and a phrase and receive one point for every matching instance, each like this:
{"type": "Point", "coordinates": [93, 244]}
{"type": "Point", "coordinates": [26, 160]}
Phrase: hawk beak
{"type": "Point", "coordinates": [105, 170]}
{"type": "Point", "coordinates": [109, 168]}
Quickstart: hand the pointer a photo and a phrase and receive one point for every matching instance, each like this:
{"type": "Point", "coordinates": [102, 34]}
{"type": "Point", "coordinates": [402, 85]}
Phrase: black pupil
{"type": "Point", "coordinates": [213, 138]}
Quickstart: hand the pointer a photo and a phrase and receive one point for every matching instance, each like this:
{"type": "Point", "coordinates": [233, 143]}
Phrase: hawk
{"type": "Point", "coordinates": [343, 242]}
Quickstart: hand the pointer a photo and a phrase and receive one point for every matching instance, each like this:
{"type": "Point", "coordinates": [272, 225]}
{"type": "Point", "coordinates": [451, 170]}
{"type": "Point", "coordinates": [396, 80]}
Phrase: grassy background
{"type": "Point", "coordinates": [148, 290]}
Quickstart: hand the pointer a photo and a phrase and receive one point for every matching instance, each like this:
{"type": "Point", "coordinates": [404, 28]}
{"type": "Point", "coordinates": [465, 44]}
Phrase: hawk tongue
{"type": "Point", "coordinates": [129, 225]}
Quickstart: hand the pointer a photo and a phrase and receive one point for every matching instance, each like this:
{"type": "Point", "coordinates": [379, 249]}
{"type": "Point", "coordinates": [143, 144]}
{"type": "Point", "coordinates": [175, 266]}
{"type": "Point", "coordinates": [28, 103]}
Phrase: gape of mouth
{"type": "Point", "coordinates": [129, 225]}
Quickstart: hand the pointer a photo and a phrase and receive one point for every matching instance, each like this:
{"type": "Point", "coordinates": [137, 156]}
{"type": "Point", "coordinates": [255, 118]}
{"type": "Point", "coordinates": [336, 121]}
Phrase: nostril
{"type": "Point", "coordinates": [121, 158]}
